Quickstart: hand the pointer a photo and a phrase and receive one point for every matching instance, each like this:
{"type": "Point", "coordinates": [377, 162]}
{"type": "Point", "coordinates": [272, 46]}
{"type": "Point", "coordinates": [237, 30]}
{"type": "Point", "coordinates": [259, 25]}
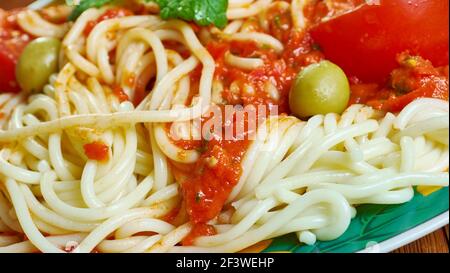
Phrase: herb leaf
{"type": "Point", "coordinates": [85, 5]}
{"type": "Point", "coordinates": [202, 12]}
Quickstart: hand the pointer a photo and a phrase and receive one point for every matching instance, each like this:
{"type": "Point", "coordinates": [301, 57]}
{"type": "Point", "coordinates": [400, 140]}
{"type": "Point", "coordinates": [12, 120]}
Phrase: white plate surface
{"type": "Point", "coordinates": [409, 236]}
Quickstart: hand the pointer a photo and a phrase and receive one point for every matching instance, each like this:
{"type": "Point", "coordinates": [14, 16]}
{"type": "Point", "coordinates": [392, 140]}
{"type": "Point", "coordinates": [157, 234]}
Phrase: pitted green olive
{"type": "Point", "coordinates": [38, 62]}
{"type": "Point", "coordinates": [319, 89]}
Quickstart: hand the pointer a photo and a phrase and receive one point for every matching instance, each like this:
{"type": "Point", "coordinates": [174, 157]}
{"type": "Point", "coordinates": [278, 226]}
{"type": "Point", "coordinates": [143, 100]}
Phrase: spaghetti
{"type": "Point", "coordinates": [302, 177]}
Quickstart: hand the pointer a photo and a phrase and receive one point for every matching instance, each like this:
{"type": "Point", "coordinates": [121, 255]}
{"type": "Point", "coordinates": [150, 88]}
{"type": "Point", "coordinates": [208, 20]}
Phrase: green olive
{"type": "Point", "coordinates": [39, 60]}
{"type": "Point", "coordinates": [319, 89]}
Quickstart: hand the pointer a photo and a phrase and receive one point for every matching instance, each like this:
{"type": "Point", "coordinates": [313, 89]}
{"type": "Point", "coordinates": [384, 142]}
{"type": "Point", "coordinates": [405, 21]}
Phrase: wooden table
{"type": "Point", "coordinates": [436, 242]}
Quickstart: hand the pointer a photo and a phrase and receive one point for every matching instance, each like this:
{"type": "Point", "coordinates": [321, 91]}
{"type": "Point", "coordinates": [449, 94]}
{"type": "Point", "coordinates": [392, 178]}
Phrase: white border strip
{"type": "Point", "coordinates": [410, 235]}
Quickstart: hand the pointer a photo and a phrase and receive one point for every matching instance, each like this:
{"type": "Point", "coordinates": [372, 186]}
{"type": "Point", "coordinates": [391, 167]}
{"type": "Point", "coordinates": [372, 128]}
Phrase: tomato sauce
{"type": "Point", "coordinates": [141, 83]}
{"type": "Point", "coordinates": [109, 14]}
{"type": "Point", "coordinates": [185, 144]}
{"type": "Point", "coordinates": [179, 48]}
{"type": "Point", "coordinates": [280, 71]}
{"type": "Point", "coordinates": [198, 230]}
{"type": "Point", "coordinates": [96, 150]}
{"type": "Point", "coordinates": [415, 78]}
{"type": "Point", "coordinates": [172, 215]}
{"type": "Point", "coordinates": [207, 184]}
{"type": "Point", "coordinates": [216, 174]}
{"type": "Point", "coordinates": [120, 94]}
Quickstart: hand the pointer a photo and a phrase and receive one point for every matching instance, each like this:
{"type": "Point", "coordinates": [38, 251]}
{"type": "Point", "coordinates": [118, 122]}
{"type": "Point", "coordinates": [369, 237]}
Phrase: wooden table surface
{"type": "Point", "coordinates": [433, 243]}
{"type": "Point", "coordinates": [436, 242]}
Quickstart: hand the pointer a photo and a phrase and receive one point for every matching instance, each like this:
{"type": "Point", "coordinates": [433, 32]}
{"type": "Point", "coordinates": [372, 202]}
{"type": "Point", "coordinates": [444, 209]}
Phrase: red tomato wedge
{"type": "Point", "coordinates": [365, 41]}
{"type": "Point", "coordinates": [8, 59]}
{"type": "Point", "coordinates": [12, 43]}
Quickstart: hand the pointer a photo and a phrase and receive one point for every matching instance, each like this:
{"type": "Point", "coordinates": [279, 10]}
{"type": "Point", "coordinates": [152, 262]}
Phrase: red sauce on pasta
{"type": "Point", "coordinates": [120, 94]}
{"type": "Point", "coordinates": [96, 151]}
{"type": "Point", "coordinates": [109, 14]}
{"type": "Point", "coordinates": [171, 216]}
{"type": "Point", "coordinates": [187, 144]}
{"type": "Point", "coordinates": [415, 78]}
{"type": "Point", "coordinates": [216, 174]}
{"type": "Point", "coordinates": [279, 70]}
{"type": "Point", "coordinates": [197, 231]}
{"type": "Point", "coordinates": [208, 183]}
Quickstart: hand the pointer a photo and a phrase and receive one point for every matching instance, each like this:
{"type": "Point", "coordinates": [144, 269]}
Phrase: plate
{"type": "Point", "coordinates": [378, 228]}
{"type": "Point", "coordinates": [410, 236]}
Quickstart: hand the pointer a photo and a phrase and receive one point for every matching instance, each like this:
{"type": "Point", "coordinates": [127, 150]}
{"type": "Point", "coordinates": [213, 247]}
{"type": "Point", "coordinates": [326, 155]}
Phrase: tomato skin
{"type": "Point", "coordinates": [8, 62]}
{"type": "Point", "coordinates": [365, 42]}
{"type": "Point", "coordinates": [428, 91]}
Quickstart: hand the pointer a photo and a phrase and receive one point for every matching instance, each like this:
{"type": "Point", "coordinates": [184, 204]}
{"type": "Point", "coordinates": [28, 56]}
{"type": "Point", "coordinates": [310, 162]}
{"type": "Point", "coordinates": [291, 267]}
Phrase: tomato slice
{"type": "Point", "coordinates": [365, 41]}
{"type": "Point", "coordinates": [7, 66]}
{"type": "Point", "coordinates": [12, 43]}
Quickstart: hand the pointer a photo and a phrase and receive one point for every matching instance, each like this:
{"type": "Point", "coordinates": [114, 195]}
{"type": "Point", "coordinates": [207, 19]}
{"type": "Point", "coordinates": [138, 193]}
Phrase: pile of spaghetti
{"type": "Point", "coordinates": [88, 163]}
